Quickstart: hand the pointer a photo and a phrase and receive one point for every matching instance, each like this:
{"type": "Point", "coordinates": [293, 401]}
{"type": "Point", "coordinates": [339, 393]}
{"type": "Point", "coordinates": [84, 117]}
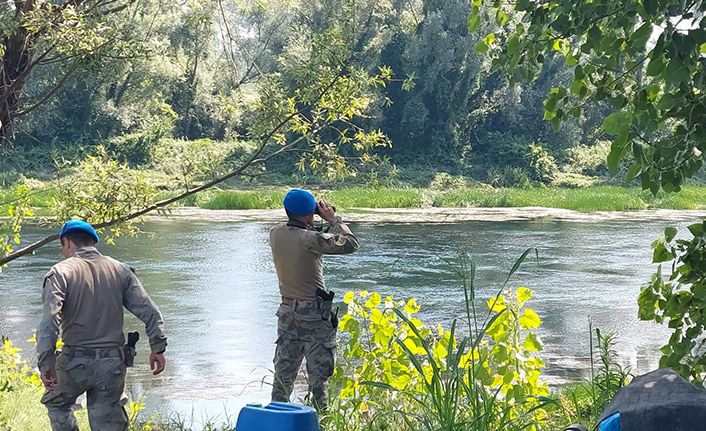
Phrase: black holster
{"type": "Point", "coordinates": [129, 349]}
{"type": "Point", "coordinates": [130, 353]}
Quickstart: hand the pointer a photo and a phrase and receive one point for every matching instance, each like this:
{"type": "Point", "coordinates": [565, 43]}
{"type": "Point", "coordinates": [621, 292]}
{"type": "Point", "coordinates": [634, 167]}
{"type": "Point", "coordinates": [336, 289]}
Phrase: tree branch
{"type": "Point", "coordinates": [253, 160]}
{"type": "Point", "coordinates": [50, 93]}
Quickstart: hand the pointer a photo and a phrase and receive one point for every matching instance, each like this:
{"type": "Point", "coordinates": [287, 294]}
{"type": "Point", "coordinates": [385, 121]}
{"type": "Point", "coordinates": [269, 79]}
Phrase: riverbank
{"type": "Point", "coordinates": [584, 200]}
{"type": "Point", "coordinates": [598, 198]}
{"type": "Point", "coordinates": [443, 215]}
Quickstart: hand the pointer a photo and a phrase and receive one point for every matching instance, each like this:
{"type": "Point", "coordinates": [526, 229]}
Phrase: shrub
{"type": "Point", "coordinates": [508, 176]}
{"type": "Point", "coordinates": [590, 160]}
{"type": "Point", "coordinates": [397, 373]}
{"type": "Point", "coordinates": [542, 162]}
{"type": "Point", "coordinates": [444, 181]}
{"type": "Point", "coordinates": [572, 180]}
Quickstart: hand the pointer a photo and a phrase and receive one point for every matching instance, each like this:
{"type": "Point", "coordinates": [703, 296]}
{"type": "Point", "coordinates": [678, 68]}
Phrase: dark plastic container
{"type": "Point", "coordinates": [277, 417]}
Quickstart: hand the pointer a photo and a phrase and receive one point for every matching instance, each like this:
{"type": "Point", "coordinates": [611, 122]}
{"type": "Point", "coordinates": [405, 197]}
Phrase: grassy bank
{"type": "Point", "coordinates": [597, 198]}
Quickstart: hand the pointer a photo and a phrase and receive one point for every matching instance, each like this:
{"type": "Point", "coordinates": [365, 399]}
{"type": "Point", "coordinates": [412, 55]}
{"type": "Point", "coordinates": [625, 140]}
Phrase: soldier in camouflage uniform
{"type": "Point", "coordinates": [84, 295]}
{"type": "Point", "coordinates": [305, 325]}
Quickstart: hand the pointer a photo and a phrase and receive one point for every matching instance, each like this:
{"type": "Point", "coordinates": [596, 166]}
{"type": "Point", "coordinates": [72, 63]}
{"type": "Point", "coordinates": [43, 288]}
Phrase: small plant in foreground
{"type": "Point", "coordinates": [398, 373]}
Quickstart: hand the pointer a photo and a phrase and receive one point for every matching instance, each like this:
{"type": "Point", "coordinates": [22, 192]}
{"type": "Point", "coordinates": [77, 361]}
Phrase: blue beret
{"type": "Point", "coordinates": [299, 202]}
{"type": "Point", "coordinates": [73, 225]}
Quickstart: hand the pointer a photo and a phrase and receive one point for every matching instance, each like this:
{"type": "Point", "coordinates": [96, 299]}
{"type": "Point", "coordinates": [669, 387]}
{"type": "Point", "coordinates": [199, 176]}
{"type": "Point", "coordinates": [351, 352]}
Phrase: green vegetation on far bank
{"type": "Point", "coordinates": [595, 198]}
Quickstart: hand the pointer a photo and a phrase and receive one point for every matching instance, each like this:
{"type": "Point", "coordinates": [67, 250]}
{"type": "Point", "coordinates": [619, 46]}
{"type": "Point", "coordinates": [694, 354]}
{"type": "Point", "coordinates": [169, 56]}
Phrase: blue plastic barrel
{"type": "Point", "coordinates": [611, 423]}
{"type": "Point", "coordinates": [277, 417]}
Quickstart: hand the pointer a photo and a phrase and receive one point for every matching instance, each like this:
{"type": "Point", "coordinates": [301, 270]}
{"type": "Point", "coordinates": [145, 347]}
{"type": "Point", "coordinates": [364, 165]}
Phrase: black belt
{"type": "Point", "coordinates": [87, 352]}
{"type": "Point", "coordinates": [300, 303]}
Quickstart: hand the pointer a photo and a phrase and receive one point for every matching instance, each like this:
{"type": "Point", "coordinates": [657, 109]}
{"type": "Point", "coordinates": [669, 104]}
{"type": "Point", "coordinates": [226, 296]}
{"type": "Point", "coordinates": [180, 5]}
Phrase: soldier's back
{"type": "Point", "coordinates": [92, 314]}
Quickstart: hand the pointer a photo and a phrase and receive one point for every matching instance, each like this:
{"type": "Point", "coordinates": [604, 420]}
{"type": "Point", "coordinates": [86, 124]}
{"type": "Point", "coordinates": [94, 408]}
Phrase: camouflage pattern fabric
{"type": "Point", "coordinates": [103, 380]}
{"type": "Point", "coordinates": [303, 333]}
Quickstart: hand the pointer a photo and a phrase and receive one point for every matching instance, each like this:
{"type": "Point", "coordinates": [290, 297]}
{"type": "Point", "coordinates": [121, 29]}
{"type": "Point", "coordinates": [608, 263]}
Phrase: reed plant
{"type": "Point", "coordinates": [583, 402]}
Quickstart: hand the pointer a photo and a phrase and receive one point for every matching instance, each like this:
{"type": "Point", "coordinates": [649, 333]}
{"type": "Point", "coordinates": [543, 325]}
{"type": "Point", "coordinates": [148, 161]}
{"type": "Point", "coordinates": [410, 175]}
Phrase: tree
{"type": "Point", "coordinates": [74, 34]}
{"type": "Point", "coordinates": [642, 57]}
{"type": "Point", "coordinates": [310, 109]}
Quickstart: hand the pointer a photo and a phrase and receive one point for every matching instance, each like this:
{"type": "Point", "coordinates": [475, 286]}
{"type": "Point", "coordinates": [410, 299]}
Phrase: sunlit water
{"type": "Point", "coordinates": [217, 288]}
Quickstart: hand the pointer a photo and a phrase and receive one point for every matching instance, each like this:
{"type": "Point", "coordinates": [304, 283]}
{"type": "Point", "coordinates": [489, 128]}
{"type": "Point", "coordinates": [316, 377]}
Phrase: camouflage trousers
{"type": "Point", "coordinates": [103, 381]}
{"type": "Point", "coordinates": [303, 333]}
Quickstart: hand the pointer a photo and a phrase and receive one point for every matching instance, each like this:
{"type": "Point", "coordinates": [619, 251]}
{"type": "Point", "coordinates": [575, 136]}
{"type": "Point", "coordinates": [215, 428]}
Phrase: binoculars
{"type": "Point", "coordinates": [316, 211]}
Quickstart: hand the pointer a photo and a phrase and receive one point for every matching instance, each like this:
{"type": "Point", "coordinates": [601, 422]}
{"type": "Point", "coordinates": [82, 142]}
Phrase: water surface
{"type": "Point", "coordinates": [217, 288]}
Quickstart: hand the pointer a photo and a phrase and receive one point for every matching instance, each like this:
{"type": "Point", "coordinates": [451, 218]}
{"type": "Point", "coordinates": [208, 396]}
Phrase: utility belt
{"type": "Point", "coordinates": [126, 352]}
{"type": "Point", "coordinates": [88, 352]}
{"type": "Point", "coordinates": [323, 305]}
{"type": "Point", "coordinates": [301, 303]}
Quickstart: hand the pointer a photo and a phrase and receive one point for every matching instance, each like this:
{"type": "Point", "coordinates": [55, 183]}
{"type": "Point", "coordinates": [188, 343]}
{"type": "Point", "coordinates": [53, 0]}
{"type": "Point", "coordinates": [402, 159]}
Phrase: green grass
{"type": "Point", "coordinates": [599, 198]}
{"type": "Point", "coordinates": [363, 197]}
{"type": "Point", "coordinates": [21, 410]}
{"type": "Point", "coordinates": [240, 200]}
{"type": "Point", "coordinates": [40, 198]}
{"type": "Point", "coordinates": [596, 198]}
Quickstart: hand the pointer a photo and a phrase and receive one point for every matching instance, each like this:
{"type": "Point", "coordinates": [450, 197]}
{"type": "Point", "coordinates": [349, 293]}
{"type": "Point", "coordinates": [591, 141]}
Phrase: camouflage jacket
{"type": "Point", "coordinates": [297, 251]}
{"type": "Point", "coordinates": [84, 296]}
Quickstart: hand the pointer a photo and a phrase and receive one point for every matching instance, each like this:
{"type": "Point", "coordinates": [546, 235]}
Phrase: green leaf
{"type": "Point", "coordinates": [699, 290]}
{"type": "Point", "coordinates": [578, 73]}
{"type": "Point", "coordinates": [651, 6]}
{"type": "Point", "coordinates": [661, 254]}
{"type": "Point", "coordinates": [676, 72]}
{"type": "Point", "coordinates": [647, 303]}
{"type": "Point", "coordinates": [532, 343]}
{"type": "Point", "coordinates": [697, 229]}
{"type": "Point", "coordinates": [501, 18]}
{"type": "Point", "coordinates": [669, 233]}
{"type": "Point", "coordinates": [685, 44]}
{"type": "Point", "coordinates": [633, 172]}
{"type": "Point", "coordinates": [617, 150]}
{"type": "Point", "coordinates": [652, 91]}
{"type": "Point", "coordinates": [655, 66]}
{"type": "Point", "coordinates": [474, 20]}
{"type": "Point", "coordinates": [481, 47]}
{"type": "Point", "coordinates": [530, 319]}
{"type": "Point", "coordinates": [489, 39]}
{"type": "Point", "coordinates": [643, 33]}
{"type": "Point", "coordinates": [613, 123]}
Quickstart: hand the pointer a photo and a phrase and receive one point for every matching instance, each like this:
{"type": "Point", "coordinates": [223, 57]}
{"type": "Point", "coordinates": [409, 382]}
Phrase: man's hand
{"type": "Point", "coordinates": [326, 211]}
{"type": "Point", "coordinates": [157, 363]}
{"type": "Point", "coordinates": [48, 378]}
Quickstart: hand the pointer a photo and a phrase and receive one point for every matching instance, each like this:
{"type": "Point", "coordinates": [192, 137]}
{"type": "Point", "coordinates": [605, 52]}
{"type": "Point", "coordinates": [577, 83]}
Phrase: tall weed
{"type": "Point", "coordinates": [397, 373]}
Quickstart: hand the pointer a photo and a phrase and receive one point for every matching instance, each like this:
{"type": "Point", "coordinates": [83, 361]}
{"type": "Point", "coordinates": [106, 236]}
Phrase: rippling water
{"type": "Point", "coordinates": [217, 288]}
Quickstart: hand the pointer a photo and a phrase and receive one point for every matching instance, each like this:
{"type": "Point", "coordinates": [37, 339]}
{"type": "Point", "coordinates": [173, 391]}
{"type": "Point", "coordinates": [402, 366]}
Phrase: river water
{"type": "Point", "coordinates": [217, 288]}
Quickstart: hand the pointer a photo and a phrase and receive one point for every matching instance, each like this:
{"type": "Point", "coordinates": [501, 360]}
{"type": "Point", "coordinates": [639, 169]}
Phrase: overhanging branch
{"type": "Point", "coordinates": [254, 159]}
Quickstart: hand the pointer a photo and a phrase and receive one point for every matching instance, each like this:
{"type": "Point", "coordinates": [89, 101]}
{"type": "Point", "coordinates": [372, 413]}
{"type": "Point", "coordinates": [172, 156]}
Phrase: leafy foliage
{"type": "Point", "coordinates": [103, 191]}
{"type": "Point", "coordinates": [542, 162]}
{"type": "Point", "coordinates": [643, 59]}
{"type": "Point", "coordinates": [679, 300]}
{"type": "Point", "coordinates": [10, 229]}
{"type": "Point", "coordinates": [435, 379]}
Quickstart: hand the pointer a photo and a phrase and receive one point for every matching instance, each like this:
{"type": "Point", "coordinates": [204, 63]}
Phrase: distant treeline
{"type": "Point", "coordinates": [193, 72]}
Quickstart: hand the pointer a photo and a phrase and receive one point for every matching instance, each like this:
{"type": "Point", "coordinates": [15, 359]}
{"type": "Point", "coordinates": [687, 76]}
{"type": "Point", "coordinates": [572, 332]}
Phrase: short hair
{"type": "Point", "coordinates": [80, 238]}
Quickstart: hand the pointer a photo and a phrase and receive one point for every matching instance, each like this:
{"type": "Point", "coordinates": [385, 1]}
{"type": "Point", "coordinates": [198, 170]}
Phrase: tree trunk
{"type": "Point", "coordinates": [14, 69]}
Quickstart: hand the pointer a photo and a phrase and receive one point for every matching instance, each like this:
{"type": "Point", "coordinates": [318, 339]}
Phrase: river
{"type": "Point", "coordinates": [213, 278]}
